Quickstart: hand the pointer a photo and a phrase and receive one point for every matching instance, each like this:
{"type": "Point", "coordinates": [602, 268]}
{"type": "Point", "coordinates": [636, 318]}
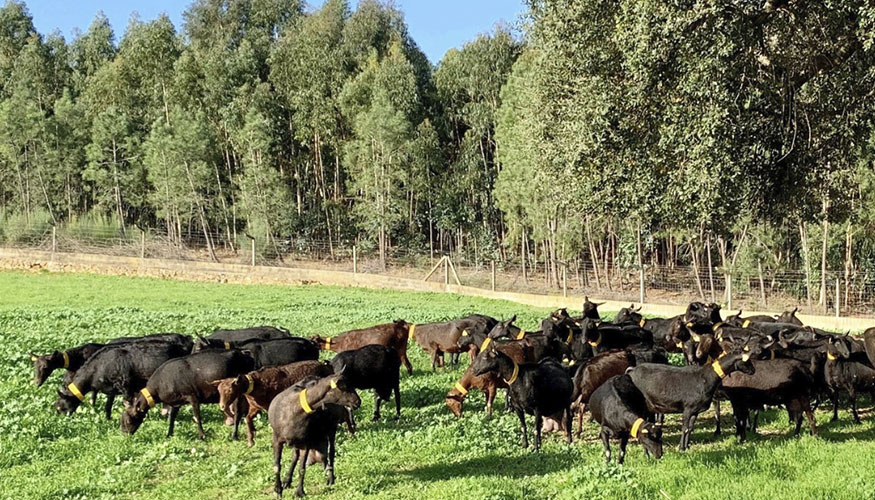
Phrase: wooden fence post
{"type": "Point", "coordinates": [564, 280]}
{"type": "Point", "coordinates": [641, 285]}
{"type": "Point", "coordinates": [838, 297]}
{"type": "Point", "coordinates": [54, 240]}
{"type": "Point", "coordinates": [446, 271]}
{"type": "Point", "coordinates": [252, 241]}
{"type": "Point", "coordinates": [355, 267]}
{"type": "Point", "coordinates": [142, 243]}
{"type": "Point", "coordinates": [729, 291]}
{"type": "Point", "coordinates": [492, 265]}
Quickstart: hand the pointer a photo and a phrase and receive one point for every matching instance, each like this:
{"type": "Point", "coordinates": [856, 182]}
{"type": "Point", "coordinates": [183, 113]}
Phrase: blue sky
{"type": "Point", "coordinates": [436, 26]}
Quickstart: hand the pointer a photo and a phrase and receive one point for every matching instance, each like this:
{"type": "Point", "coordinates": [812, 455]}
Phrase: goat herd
{"type": "Point", "coordinates": [617, 370]}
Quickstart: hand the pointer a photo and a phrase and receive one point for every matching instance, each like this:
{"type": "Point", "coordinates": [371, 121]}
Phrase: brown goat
{"type": "Point", "coordinates": [392, 335]}
{"type": "Point", "coordinates": [488, 382]}
{"type": "Point", "coordinates": [596, 372]}
{"type": "Point", "coordinates": [260, 387]}
{"type": "Point", "coordinates": [443, 337]}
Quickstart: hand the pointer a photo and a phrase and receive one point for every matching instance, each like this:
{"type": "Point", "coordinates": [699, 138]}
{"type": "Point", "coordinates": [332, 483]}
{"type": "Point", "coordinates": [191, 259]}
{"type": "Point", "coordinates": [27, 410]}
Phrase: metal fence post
{"type": "Point", "coordinates": [142, 243]}
{"type": "Point", "coordinates": [446, 271]}
{"type": "Point", "coordinates": [355, 267]}
{"type": "Point", "coordinates": [252, 241]}
{"type": "Point", "coordinates": [492, 266]}
{"type": "Point", "coordinates": [54, 240]}
{"type": "Point", "coordinates": [838, 297]}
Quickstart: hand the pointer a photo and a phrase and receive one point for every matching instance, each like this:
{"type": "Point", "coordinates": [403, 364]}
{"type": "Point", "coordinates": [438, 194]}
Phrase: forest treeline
{"type": "Point", "coordinates": [731, 133]}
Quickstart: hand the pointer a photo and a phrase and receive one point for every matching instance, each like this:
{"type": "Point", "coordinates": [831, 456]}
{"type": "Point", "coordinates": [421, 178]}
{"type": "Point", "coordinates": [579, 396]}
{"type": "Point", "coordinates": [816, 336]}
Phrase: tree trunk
{"type": "Point", "coordinates": [592, 254]}
{"type": "Point", "coordinates": [804, 239]}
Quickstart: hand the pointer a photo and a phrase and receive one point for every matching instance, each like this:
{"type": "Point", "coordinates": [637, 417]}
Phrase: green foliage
{"type": "Point", "coordinates": [25, 227]}
{"type": "Point", "coordinates": [427, 454]}
{"type": "Point", "coordinates": [94, 227]}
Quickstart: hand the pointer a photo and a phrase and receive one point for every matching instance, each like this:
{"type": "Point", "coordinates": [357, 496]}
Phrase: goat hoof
{"type": "Point", "coordinates": [300, 493]}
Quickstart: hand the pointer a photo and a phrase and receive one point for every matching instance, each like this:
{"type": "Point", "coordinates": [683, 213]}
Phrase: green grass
{"type": "Point", "coordinates": [429, 454]}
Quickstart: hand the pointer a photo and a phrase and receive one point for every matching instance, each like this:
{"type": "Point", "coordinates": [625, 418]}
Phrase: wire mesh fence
{"type": "Point", "coordinates": [846, 293]}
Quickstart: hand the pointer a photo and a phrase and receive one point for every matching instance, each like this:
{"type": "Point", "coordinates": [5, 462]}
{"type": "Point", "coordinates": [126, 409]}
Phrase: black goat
{"type": "Point", "coordinates": [372, 367]}
{"type": "Point", "coordinates": [539, 389]}
{"type": "Point", "coordinates": [773, 382]}
{"type": "Point", "coordinates": [621, 410]}
{"type": "Point", "coordinates": [305, 417]}
{"type": "Point", "coordinates": [117, 369]}
{"type": "Point", "coordinates": [185, 380]}
{"type": "Point", "coordinates": [687, 390]}
{"type": "Point", "coordinates": [848, 372]}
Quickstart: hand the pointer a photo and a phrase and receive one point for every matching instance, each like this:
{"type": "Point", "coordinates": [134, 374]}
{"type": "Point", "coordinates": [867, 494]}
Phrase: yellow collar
{"type": "Point", "coordinates": [570, 338]}
{"type": "Point", "coordinates": [228, 345]}
{"type": "Point", "coordinates": [746, 323]}
{"type": "Point", "coordinates": [716, 326]}
{"type": "Point", "coordinates": [76, 392]}
{"type": "Point", "coordinates": [679, 345]}
{"type": "Point", "coordinates": [148, 395]}
{"type": "Point", "coordinates": [643, 321]}
{"type": "Point", "coordinates": [596, 342]}
{"type": "Point", "coordinates": [66, 359]}
{"type": "Point", "coordinates": [485, 344]}
{"type": "Point", "coordinates": [718, 369]}
{"type": "Point", "coordinates": [695, 337]}
{"type": "Point", "coordinates": [830, 356]}
{"type": "Point", "coordinates": [636, 427]}
{"type": "Point", "coordinates": [412, 331]}
{"type": "Point", "coordinates": [302, 398]}
{"type": "Point", "coordinates": [251, 384]}
{"type": "Point", "coordinates": [461, 388]}
{"type": "Point", "coordinates": [326, 344]}
{"type": "Point", "coordinates": [772, 354]}
{"type": "Point", "coordinates": [521, 335]}
{"type": "Point", "coordinates": [514, 375]}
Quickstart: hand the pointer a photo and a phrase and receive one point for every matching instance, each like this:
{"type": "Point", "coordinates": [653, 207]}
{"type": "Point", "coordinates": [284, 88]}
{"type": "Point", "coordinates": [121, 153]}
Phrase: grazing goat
{"type": "Point", "coordinates": [372, 367]}
{"type": "Point", "coordinates": [116, 369]}
{"type": "Point", "coordinates": [305, 418]}
{"type": "Point", "coordinates": [591, 376]}
{"type": "Point", "coordinates": [70, 359]}
{"type": "Point", "coordinates": [443, 337]}
{"type": "Point", "coordinates": [260, 387]}
{"type": "Point", "coordinates": [687, 390]}
{"type": "Point", "coordinates": [392, 335]}
{"type": "Point", "coordinates": [622, 412]}
{"type": "Point", "coordinates": [185, 380]}
{"type": "Point", "coordinates": [541, 389]}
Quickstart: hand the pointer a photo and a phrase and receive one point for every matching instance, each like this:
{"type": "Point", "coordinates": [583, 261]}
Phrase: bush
{"type": "Point", "coordinates": [94, 228]}
{"type": "Point", "coordinates": [25, 228]}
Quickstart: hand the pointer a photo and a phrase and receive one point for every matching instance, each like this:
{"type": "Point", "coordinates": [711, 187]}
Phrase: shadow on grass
{"type": "Point", "coordinates": [531, 464]}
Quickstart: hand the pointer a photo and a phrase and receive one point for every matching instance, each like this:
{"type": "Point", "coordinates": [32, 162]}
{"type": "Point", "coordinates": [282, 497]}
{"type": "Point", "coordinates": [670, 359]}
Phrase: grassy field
{"type": "Point", "coordinates": [428, 454]}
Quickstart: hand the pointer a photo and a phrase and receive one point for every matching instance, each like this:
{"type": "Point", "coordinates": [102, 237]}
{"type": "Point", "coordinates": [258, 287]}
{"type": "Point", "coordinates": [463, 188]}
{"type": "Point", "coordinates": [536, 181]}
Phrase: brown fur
{"type": "Point", "coordinates": [598, 371]}
{"type": "Point", "coordinates": [393, 335]}
{"type": "Point", "coordinates": [267, 383]}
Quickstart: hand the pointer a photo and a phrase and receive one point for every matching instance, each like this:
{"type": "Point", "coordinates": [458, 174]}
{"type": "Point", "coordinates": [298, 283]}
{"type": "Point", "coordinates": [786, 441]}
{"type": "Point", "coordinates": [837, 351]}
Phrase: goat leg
{"type": "Point", "coordinates": [277, 467]}
{"type": "Point", "coordinates": [329, 460]}
{"type": "Point", "coordinates": [196, 410]}
{"type": "Point", "coordinates": [295, 457]}
{"type": "Point", "coordinates": [624, 440]}
{"type": "Point", "coordinates": [300, 491]}
{"type": "Point", "coordinates": [568, 423]}
{"type": "Point", "coordinates": [717, 430]}
{"type": "Point", "coordinates": [174, 411]}
{"type": "Point", "coordinates": [835, 405]}
{"type": "Point", "coordinates": [397, 390]}
{"type": "Point", "coordinates": [606, 442]}
{"type": "Point", "coordinates": [377, 401]}
{"type": "Point", "coordinates": [522, 417]}
{"type": "Point", "coordinates": [539, 421]}
{"type": "Point", "coordinates": [108, 408]}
